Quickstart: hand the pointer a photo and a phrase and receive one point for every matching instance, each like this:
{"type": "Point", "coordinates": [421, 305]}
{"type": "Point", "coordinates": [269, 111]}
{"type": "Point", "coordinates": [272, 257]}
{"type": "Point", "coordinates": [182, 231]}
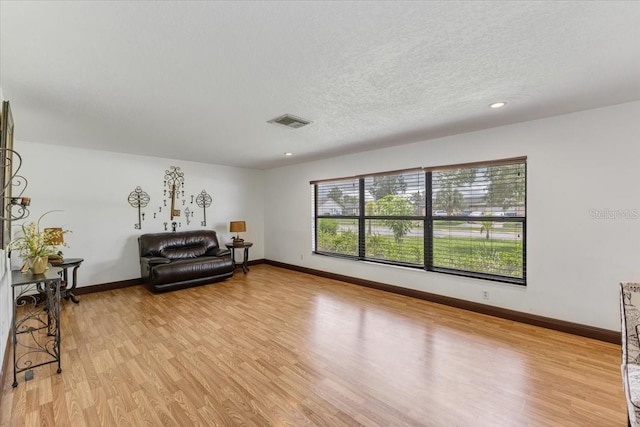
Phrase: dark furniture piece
{"type": "Point", "coordinates": [35, 329]}
{"type": "Point", "coordinates": [244, 245]}
{"type": "Point", "coordinates": [170, 261]}
{"type": "Point", "coordinates": [66, 290]}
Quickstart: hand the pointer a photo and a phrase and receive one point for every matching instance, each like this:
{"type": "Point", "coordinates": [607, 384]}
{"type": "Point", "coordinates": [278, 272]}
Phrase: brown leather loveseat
{"type": "Point", "coordinates": [170, 261]}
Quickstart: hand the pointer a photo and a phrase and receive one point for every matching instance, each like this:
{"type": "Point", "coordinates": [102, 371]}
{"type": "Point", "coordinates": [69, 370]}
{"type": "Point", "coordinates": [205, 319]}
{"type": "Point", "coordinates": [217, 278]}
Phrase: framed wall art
{"type": "Point", "coordinates": [6, 159]}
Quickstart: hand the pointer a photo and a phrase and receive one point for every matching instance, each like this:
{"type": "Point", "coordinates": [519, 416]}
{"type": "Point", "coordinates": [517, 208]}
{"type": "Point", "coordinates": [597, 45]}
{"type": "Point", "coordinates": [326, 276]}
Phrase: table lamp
{"type": "Point", "coordinates": [237, 227]}
{"type": "Point", "coordinates": [54, 237]}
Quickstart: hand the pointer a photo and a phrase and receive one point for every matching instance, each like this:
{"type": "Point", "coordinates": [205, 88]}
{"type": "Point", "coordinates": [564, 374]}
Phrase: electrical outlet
{"type": "Point", "coordinates": [301, 257]}
{"type": "Point", "coordinates": [485, 295]}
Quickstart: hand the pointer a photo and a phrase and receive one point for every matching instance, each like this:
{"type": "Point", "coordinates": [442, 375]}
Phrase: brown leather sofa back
{"type": "Point", "coordinates": [179, 245]}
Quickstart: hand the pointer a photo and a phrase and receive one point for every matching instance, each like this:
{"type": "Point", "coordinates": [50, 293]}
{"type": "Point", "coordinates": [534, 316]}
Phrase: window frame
{"type": "Point", "coordinates": [429, 220]}
{"type": "Point", "coordinates": [317, 217]}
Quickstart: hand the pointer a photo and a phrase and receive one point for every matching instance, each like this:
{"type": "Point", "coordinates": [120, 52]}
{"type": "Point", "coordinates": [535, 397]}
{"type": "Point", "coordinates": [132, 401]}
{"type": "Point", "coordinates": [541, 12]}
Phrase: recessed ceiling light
{"type": "Point", "coordinates": [288, 154]}
{"type": "Point", "coordinates": [498, 104]}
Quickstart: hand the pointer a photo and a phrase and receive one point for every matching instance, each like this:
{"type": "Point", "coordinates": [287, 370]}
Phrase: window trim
{"type": "Point", "coordinates": [366, 175]}
{"type": "Point", "coordinates": [499, 162]}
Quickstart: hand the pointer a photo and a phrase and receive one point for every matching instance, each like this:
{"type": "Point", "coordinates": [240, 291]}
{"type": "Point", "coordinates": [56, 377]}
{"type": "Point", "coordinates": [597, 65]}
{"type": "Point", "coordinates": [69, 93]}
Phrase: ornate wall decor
{"type": "Point", "coordinates": [174, 181]}
{"type": "Point", "coordinates": [173, 196]}
{"type": "Point", "coordinates": [16, 207]}
{"type": "Point", "coordinates": [187, 215]}
{"type": "Point", "coordinates": [13, 208]}
{"type": "Point", "coordinates": [138, 198]}
{"type": "Point", "coordinates": [203, 201]}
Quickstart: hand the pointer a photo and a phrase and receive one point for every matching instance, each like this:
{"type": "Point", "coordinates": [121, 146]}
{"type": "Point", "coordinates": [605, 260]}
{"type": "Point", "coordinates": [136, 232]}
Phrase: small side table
{"type": "Point", "coordinates": [66, 291]}
{"type": "Point", "coordinates": [244, 264]}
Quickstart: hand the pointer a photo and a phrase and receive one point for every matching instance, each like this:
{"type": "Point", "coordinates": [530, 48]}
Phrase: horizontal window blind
{"type": "Point", "coordinates": [394, 212]}
{"type": "Point", "coordinates": [483, 191]}
{"type": "Point", "coordinates": [338, 198]}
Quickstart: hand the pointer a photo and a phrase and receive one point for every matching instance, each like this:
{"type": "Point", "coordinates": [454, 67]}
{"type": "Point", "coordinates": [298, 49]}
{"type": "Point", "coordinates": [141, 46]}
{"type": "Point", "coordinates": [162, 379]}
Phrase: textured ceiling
{"type": "Point", "coordinates": [199, 80]}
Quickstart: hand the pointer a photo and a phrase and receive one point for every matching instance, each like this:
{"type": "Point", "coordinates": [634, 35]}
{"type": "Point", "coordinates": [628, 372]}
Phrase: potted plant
{"type": "Point", "coordinates": [34, 245]}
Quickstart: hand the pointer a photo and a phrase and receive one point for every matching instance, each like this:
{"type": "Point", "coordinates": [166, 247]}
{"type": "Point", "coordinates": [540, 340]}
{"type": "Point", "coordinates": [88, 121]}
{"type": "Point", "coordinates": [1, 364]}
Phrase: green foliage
{"type": "Point", "coordinates": [376, 246]}
{"type": "Point", "coordinates": [386, 185]}
{"type": "Point", "coordinates": [344, 242]}
{"type": "Point", "coordinates": [347, 242]}
{"type": "Point", "coordinates": [411, 250]}
{"type": "Point", "coordinates": [393, 205]}
{"type": "Point", "coordinates": [449, 199]}
{"type": "Point", "coordinates": [506, 186]}
{"type": "Point", "coordinates": [328, 226]}
{"type": "Point", "coordinates": [418, 200]}
{"type": "Point", "coordinates": [486, 227]}
{"type": "Point", "coordinates": [370, 209]}
{"type": "Point", "coordinates": [34, 243]}
{"type": "Point", "coordinates": [448, 196]}
{"type": "Point", "coordinates": [456, 177]}
{"type": "Point", "coordinates": [494, 256]}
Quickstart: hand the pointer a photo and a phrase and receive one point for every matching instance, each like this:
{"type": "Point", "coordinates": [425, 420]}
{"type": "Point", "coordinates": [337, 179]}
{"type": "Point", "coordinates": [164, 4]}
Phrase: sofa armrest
{"type": "Point", "coordinates": [146, 262]}
{"type": "Point", "coordinates": [219, 252]}
{"type": "Point", "coordinates": [154, 260]}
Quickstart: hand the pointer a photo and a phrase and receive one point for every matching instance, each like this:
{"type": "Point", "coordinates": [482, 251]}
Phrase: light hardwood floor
{"type": "Point", "coordinates": [281, 348]}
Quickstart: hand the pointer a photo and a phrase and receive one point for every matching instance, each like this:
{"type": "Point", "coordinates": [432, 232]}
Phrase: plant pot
{"type": "Point", "coordinates": [38, 265]}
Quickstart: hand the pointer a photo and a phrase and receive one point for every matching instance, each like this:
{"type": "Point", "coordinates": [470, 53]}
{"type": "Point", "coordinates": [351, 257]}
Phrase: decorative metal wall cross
{"type": "Point", "coordinates": [203, 201]}
{"type": "Point", "coordinates": [139, 199]}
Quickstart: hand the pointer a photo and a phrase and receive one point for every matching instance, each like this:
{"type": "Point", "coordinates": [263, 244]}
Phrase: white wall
{"type": "Point", "coordinates": [91, 188]}
{"type": "Point", "coordinates": [577, 163]}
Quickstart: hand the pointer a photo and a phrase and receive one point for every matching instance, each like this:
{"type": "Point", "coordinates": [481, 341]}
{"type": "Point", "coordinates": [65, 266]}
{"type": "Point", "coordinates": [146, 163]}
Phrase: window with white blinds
{"type": "Point", "coordinates": [465, 219]}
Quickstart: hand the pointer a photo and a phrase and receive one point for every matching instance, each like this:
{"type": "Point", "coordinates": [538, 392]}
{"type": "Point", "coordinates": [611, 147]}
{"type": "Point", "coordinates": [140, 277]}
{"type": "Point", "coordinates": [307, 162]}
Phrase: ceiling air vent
{"type": "Point", "coordinates": [289, 121]}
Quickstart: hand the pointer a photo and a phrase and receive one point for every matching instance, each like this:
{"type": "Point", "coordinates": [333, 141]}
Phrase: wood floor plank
{"type": "Point", "coordinates": [281, 348]}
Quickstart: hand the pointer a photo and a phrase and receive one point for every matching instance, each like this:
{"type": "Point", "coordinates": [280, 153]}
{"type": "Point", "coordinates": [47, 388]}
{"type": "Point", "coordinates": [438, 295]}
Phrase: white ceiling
{"type": "Point", "coordinates": [199, 80]}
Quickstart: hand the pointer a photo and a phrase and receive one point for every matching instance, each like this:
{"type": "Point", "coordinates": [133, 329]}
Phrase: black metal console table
{"type": "Point", "coordinates": [36, 327]}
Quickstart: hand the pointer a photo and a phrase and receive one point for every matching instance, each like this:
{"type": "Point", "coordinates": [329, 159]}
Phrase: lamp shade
{"type": "Point", "coordinates": [237, 227]}
{"type": "Point", "coordinates": [54, 236]}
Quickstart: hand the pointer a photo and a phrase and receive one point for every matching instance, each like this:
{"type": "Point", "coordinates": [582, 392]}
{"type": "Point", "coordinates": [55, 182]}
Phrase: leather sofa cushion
{"type": "Point", "coordinates": [187, 269]}
{"type": "Point", "coordinates": [183, 253]}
